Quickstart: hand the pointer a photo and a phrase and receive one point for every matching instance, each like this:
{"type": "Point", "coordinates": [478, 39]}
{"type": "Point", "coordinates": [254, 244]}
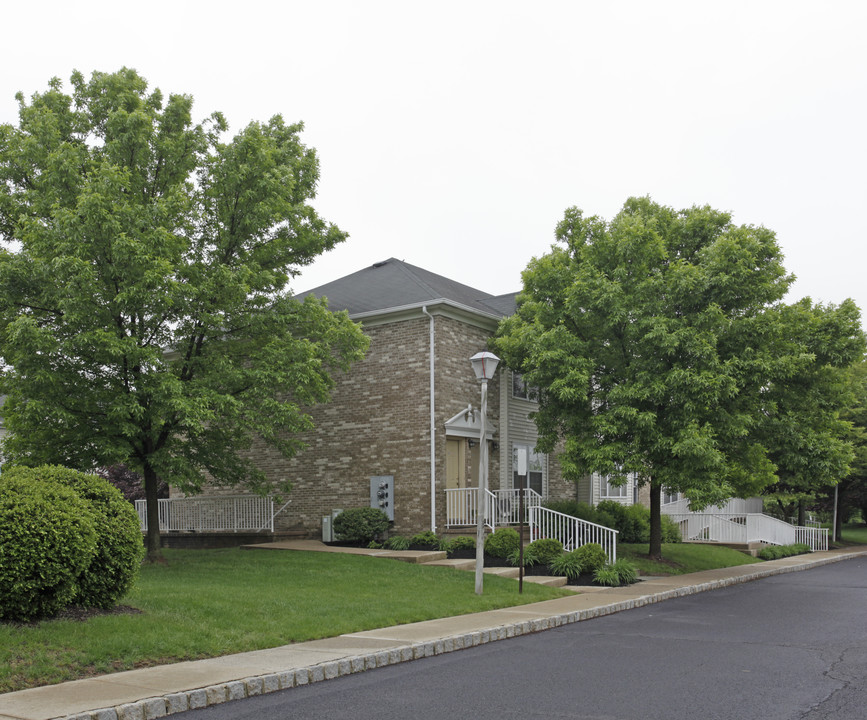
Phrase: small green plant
{"type": "Point", "coordinates": [461, 543]}
{"type": "Point", "coordinates": [626, 571]}
{"type": "Point", "coordinates": [374, 545]}
{"type": "Point", "coordinates": [607, 575]}
{"type": "Point", "coordinates": [592, 557]}
{"type": "Point", "coordinates": [567, 564]}
{"type": "Point", "coordinates": [545, 549]}
{"type": "Point", "coordinates": [425, 539]}
{"type": "Point", "coordinates": [502, 542]}
{"type": "Point", "coordinates": [397, 542]}
{"type": "Point", "coordinates": [360, 525]}
{"type": "Point", "coordinates": [530, 557]}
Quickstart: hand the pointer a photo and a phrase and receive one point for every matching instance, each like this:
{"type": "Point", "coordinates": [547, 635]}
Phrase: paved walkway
{"type": "Point", "coordinates": [159, 691]}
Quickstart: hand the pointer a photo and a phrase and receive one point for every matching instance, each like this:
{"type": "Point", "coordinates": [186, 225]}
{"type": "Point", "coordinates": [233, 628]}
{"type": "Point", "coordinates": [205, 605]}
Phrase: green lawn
{"type": "Point", "coordinates": [203, 603]}
{"type": "Point", "coordinates": [855, 533]}
{"type": "Point", "coordinates": [681, 558]}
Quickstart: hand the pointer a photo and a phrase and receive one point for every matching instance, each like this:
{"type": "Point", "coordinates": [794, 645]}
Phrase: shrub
{"type": "Point", "coordinates": [119, 546]}
{"type": "Point", "coordinates": [461, 543]}
{"type": "Point", "coordinates": [545, 549]}
{"type": "Point", "coordinates": [775, 552]}
{"type": "Point", "coordinates": [670, 531]}
{"type": "Point", "coordinates": [568, 564]}
{"type": "Point", "coordinates": [607, 575]}
{"type": "Point", "coordinates": [626, 571]}
{"type": "Point", "coordinates": [397, 542]}
{"type": "Point", "coordinates": [529, 557]}
{"type": "Point", "coordinates": [580, 510]}
{"type": "Point", "coordinates": [47, 540]}
{"type": "Point", "coordinates": [425, 539]}
{"type": "Point", "coordinates": [592, 557]}
{"type": "Point", "coordinates": [360, 525]}
{"type": "Point", "coordinates": [502, 542]}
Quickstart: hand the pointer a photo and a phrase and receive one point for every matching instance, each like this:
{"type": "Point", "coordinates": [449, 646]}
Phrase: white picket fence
{"type": "Point", "coordinates": [232, 513]}
{"type": "Point", "coordinates": [571, 531]}
{"type": "Point", "coordinates": [502, 507]}
{"type": "Point", "coordinates": [734, 523]}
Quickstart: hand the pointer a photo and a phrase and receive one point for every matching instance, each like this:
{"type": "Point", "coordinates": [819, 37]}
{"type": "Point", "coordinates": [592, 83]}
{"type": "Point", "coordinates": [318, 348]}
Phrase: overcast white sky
{"type": "Point", "coordinates": [453, 135]}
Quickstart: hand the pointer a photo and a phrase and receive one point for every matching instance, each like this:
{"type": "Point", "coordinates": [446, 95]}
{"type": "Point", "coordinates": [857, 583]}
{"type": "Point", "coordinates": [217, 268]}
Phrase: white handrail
{"type": "Point", "coordinates": [571, 531]}
{"type": "Point", "coordinates": [502, 506]}
{"type": "Point", "coordinates": [228, 513]}
{"type": "Point", "coordinates": [745, 528]}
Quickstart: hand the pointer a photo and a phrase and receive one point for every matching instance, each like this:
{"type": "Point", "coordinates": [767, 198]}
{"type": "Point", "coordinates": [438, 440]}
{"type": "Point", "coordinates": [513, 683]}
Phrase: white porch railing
{"type": "Point", "coordinates": [745, 528]}
{"type": "Point", "coordinates": [571, 531]}
{"type": "Point", "coordinates": [231, 513]}
{"type": "Point", "coordinates": [502, 507]}
{"type": "Point", "coordinates": [735, 506]}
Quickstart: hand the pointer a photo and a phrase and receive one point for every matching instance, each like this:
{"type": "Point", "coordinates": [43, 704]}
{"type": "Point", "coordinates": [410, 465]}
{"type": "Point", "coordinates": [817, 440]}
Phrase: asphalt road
{"type": "Point", "coordinates": [783, 648]}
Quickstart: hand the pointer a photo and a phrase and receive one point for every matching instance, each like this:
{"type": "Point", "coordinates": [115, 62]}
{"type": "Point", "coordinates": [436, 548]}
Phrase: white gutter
{"type": "Point", "coordinates": [433, 467]}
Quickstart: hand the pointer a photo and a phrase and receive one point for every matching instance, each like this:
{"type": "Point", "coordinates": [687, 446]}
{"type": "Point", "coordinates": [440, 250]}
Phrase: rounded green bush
{"type": "Point", "coordinates": [592, 557]}
{"type": "Point", "coordinates": [427, 538]}
{"type": "Point", "coordinates": [119, 545]}
{"type": "Point", "coordinates": [502, 542]}
{"type": "Point", "coordinates": [462, 542]}
{"type": "Point", "coordinates": [545, 549]}
{"type": "Point", "coordinates": [47, 541]}
{"type": "Point", "coordinates": [360, 525]}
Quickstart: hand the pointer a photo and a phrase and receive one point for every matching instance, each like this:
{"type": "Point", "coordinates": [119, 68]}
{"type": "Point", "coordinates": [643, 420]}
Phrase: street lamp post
{"type": "Point", "coordinates": [484, 365]}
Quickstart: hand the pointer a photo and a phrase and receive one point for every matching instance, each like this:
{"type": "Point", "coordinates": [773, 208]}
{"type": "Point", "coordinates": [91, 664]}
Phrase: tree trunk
{"type": "Point", "coordinates": [151, 487]}
{"type": "Point", "coordinates": [655, 520]}
{"type": "Point", "coordinates": [802, 512]}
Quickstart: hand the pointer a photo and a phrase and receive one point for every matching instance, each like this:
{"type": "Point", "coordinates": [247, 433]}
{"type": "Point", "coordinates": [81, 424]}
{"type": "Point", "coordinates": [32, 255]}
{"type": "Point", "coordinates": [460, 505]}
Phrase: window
{"type": "Point", "coordinates": [522, 390]}
{"type": "Point", "coordinates": [669, 497]}
{"type": "Point", "coordinates": [614, 492]}
{"type": "Point", "coordinates": [535, 469]}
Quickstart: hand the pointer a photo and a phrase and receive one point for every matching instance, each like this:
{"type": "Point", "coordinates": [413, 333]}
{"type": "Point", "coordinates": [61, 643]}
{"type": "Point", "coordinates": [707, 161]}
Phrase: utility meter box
{"type": "Point", "coordinates": [382, 494]}
{"type": "Point", "coordinates": [328, 526]}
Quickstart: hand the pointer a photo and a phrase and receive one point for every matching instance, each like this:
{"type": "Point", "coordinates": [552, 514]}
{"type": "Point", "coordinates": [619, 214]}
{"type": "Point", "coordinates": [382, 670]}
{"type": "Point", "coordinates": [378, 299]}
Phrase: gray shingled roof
{"type": "Point", "coordinates": [394, 283]}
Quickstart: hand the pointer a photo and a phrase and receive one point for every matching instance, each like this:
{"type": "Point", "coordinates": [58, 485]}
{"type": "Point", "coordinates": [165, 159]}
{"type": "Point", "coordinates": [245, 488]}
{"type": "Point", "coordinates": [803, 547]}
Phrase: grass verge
{"type": "Point", "coordinates": [205, 603]}
{"type": "Point", "coordinates": [682, 558]}
{"type": "Point", "coordinates": [854, 533]}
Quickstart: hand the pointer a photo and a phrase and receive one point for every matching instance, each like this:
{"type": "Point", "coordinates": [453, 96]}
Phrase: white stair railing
{"type": "Point", "coordinates": [232, 513]}
{"type": "Point", "coordinates": [571, 531]}
{"type": "Point", "coordinates": [744, 528]}
{"type": "Point", "coordinates": [462, 505]}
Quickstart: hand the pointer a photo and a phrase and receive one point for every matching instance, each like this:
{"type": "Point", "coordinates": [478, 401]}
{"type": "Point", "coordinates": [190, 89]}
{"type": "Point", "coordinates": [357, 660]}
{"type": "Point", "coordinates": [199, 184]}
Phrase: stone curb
{"type": "Point", "coordinates": [158, 707]}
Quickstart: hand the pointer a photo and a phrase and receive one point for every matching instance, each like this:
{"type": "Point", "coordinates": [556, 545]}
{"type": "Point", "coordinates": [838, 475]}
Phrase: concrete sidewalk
{"type": "Point", "coordinates": [159, 691]}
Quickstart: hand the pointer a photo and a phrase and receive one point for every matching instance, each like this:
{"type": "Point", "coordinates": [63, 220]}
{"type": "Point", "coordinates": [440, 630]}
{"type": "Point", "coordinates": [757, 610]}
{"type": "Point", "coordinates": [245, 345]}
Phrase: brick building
{"type": "Point", "coordinates": [409, 410]}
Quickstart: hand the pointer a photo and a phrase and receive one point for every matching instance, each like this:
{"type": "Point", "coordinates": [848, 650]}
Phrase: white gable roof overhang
{"type": "Point", "coordinates": [468, 424]}
{"type": "Point", "coordinates": [478, 318]}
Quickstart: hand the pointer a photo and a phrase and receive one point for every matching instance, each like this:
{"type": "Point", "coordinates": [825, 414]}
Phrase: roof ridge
{"type": "Point", "coordinates": [405, 267]}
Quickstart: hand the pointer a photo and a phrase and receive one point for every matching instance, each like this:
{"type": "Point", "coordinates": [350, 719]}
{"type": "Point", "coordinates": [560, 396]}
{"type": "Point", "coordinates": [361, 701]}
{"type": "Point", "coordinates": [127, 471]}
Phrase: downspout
{"type": "Point", "coordinates": [433, 465]}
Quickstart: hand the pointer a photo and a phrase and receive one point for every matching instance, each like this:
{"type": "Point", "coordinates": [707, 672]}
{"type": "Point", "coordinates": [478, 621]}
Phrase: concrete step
{"type": "Point", "coordinates": [456, 563]}
{"type": "Point", "coordinates": [547, 580]}
{"type": "Point", "coordinates": [420, 557]}
{"type": "Point", "coordinates": [506, 572]}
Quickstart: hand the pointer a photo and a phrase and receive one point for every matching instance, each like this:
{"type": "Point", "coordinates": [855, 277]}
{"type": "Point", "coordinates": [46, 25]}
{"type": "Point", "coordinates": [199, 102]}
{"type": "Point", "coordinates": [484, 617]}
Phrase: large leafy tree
{"type": "Point", "coordinates": [145, 310]}
{"type": "Point", "coordinates": [655, 337]}
{"type": "Point", "coordinates": [804, 420]}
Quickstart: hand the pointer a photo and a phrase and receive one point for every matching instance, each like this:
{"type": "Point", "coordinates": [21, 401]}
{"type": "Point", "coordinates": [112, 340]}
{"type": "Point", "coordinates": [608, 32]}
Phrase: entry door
{"type": "Point", "coordinates": [456, 478]}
